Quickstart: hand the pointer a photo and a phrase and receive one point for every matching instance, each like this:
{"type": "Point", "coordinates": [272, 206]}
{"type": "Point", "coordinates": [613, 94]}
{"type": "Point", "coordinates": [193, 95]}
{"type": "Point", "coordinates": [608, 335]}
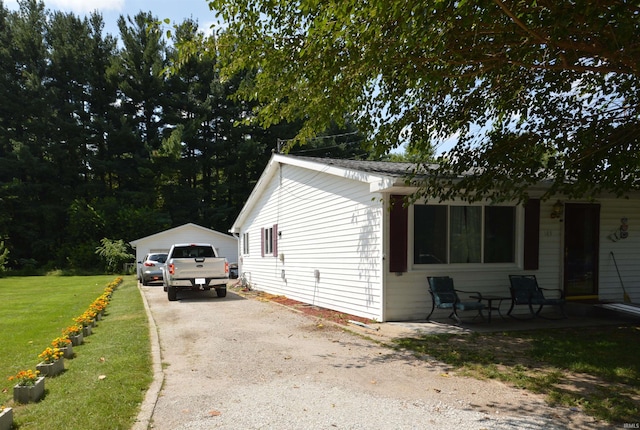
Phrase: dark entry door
{"type": "Point", "coordinates": [581, 232]}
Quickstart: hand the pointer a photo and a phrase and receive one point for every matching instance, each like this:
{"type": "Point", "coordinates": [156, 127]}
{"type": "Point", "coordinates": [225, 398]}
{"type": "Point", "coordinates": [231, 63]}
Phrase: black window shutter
{"type": "Point", "coordinates": [532, 234]}
{"type": "Point", "coordinates": [398, 235]}
{"type": "Point", "coordinates": [262, 241]}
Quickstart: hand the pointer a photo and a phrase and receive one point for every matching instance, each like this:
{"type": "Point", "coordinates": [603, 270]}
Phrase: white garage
{"type": "Point", "coordinates": [225, 245]}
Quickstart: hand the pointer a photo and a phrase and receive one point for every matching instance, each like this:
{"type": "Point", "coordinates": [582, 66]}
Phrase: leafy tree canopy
{"type": "Point", "coordinates": [97, 141]}
{"type": "Point", "coordinates": [530, 91]}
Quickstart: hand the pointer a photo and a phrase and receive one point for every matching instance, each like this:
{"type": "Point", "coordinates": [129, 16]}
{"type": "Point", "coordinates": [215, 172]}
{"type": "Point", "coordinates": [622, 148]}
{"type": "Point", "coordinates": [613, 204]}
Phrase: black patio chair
{"type": "Point", "coordinates": [525, 291]}
{"type": "Point", "coordinates": [445, 296]}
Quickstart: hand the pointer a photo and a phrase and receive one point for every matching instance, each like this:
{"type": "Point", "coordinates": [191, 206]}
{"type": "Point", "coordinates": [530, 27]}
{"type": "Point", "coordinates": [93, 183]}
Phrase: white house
{"type": "Point", "coordinates": [226, 245]}
{"type": "Point", "coordinates": [324, 232]}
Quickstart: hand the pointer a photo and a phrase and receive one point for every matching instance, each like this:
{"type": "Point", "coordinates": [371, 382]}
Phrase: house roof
{"type": "Point", "coordinates": [135, 243]}
{"type": "Point", "coordinates": [387, 168]}
{"type": "Point", "coordinates": [380, 175]}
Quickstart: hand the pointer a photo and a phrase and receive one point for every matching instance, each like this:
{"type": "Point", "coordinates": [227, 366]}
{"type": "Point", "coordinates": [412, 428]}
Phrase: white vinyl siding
{"type": "Point", "coordinates": [332, 222]}
{"type": "Point", "coordinates": [626, 251]}
{"type": "Point", "coordinates": [325, 223]}
{"type": "Point", "coordinates": [407, 296]}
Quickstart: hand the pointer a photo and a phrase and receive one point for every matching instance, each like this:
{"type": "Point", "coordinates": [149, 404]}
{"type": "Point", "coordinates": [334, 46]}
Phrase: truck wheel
{"type": "Point", "coordinates": [172, 294]}
{"type": "Point", "coordinates": [221, 292]}
{"type": "Point", "coordinates": [144, 281]}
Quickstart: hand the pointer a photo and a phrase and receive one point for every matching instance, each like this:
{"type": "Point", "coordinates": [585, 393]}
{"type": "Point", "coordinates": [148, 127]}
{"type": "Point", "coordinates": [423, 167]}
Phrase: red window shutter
{"type": "Point", "coordinates": [262, 242]}
{"type": "Point", "coordinates": [275, 240]}
{"type": "Point", "coordinates": [532, 234]}
{"type": "Point", "coordinates": [398, 235]}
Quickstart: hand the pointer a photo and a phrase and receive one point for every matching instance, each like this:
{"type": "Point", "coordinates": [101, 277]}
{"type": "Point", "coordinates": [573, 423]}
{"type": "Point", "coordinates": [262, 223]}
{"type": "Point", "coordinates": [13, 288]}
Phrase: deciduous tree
{"type": "Point", "coordinates": [530, 91]}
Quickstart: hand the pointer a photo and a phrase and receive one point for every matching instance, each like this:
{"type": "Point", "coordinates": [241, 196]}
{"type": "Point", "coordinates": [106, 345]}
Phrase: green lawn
{"type": "Point", "coordinates": [593, 369]}
{"type": "Point", "coordinates": [103, 386]}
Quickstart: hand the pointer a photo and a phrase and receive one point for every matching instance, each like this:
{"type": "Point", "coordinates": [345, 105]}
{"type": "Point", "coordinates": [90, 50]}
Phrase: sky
{"type": "Point", "coordinates": [176, 10]}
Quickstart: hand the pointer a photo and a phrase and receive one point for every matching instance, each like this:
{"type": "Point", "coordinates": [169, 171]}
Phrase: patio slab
{"type": "Point", "coordinates": [579, 316]}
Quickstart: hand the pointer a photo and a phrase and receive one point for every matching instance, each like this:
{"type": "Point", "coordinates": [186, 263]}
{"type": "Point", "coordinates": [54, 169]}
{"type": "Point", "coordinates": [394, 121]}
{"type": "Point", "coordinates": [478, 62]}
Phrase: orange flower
{"type": "Point", "coordinates": [50, 355]}
{"type": "Point", "coordinates": [61, 342]}
{"type": "Point", "coordinates": [98, 305]}
{"type": "Point", "coordinates": [72, 330]}
{"type": "Point", "coordinates": [84, 319]}
{"type": "Point", "coordinates": [26, 377]}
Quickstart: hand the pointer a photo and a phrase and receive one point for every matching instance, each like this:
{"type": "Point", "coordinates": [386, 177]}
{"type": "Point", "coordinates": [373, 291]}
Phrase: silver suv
{"type": "Point", "coordinates": [150, 268]}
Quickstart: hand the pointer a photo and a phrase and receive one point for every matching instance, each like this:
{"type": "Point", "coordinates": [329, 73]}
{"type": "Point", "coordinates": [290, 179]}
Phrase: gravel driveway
{"type": "Point", "coordinates": [237, 363]}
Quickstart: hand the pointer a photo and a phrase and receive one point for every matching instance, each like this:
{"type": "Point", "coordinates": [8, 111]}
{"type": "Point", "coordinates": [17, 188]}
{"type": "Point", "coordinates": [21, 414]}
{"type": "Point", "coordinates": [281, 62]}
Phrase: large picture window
{"type": "Point", "coordinates": [499, 234]}
{"type": "Point", "coordinates": [464, 234]}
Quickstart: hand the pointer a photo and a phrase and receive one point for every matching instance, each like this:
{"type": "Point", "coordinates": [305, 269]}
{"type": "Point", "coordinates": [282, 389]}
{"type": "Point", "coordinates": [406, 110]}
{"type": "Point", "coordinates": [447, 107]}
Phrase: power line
{"type": "Point", "coordinates": [324, 148]}
{"type": "Point", "coordinates": [332, 136]}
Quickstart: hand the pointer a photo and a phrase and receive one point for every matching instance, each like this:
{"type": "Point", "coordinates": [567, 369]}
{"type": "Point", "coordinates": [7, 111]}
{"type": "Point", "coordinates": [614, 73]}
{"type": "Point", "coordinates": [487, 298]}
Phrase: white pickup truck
{"type": "Point", "coordinates": [195, 266]}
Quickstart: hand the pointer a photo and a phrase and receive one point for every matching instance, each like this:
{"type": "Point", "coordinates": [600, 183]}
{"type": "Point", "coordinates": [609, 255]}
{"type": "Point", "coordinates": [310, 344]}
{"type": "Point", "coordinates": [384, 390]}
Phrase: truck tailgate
{"type": "Point", "coordinates": [188, 268]}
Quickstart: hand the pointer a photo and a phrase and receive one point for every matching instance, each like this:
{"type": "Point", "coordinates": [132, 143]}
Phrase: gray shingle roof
{"type": "Point", "coordinates": [386, 168]}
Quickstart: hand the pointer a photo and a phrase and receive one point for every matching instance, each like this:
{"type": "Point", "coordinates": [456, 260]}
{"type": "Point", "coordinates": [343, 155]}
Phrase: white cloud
{"type": "Point", "coordinates": [84, 6]}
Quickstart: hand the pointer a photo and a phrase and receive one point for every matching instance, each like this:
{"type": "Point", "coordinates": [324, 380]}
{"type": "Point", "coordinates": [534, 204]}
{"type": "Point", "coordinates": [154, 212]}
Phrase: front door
{"type": "Point", "coordinates": [581, 233]}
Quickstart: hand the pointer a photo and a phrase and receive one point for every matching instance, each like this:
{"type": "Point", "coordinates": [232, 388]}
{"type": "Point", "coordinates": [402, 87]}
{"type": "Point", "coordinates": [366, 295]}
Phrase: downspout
{"type": "Point", "coordinates": [238, 252]}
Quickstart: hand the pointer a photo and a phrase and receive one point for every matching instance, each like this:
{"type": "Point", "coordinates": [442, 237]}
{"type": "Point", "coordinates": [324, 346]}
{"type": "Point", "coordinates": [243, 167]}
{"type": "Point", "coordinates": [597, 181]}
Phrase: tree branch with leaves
{"type": "Point", "coordinates": [115, 253]}
{"type": "Point", "coordinates": [531, 92]}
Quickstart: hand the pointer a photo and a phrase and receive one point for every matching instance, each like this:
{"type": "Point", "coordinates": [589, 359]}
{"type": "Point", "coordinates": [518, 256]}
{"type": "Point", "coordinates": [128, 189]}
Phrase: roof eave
{"type": "Point", "coordinates": [391, 185]}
